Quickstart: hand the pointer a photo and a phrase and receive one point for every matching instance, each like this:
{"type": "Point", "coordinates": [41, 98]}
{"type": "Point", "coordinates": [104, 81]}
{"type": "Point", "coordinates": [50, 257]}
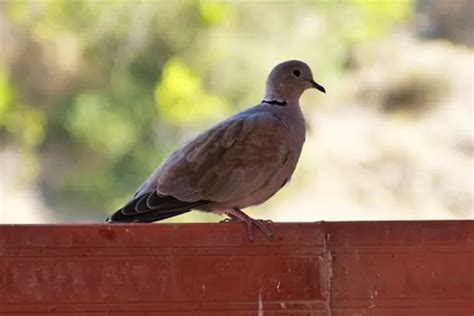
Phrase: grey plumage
{"type": "Point", "coordinates": [239, 162]}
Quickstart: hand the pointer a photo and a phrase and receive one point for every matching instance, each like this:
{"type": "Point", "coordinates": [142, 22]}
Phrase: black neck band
{"type": "Point", "coordinates": [275, 102]}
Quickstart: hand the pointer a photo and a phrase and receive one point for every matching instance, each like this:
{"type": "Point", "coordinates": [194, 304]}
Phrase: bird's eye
{"type": "Point", "coordinates": [296, 73]}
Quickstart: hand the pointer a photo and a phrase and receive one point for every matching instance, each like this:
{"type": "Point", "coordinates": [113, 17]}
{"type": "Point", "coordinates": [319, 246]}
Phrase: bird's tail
{"type": "Point", "coordinates": [152, 207]}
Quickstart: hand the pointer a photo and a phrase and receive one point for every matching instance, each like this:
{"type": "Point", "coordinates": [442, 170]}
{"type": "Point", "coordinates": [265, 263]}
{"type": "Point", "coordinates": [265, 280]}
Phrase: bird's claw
{"type": "Point", "coordinates": [236, 215]}
{"type": "Point", "coordinates": [260, 225]}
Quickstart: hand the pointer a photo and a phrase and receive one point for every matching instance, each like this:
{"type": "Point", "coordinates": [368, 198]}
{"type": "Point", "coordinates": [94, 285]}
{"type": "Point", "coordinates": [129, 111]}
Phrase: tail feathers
{"type": "Point", "coordinates": [151, 207]}
{"type": "Point", "coordinates": [119, 217]}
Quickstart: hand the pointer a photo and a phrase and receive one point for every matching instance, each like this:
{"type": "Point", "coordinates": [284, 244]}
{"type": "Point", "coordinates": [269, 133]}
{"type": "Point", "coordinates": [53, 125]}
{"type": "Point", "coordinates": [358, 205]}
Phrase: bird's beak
{"type": "Point", "coordinates": [316, 85]}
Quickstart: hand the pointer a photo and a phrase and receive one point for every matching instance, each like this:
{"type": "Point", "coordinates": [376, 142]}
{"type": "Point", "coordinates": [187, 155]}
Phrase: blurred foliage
{"type": "Point", "coordinates": [6, 96]}
{"type": "Point", "coordinates": [105, 89]}
{"type": "Point", "coordinates": [375, 17]}
{"type": "Point", "coordinates": [180, 89]}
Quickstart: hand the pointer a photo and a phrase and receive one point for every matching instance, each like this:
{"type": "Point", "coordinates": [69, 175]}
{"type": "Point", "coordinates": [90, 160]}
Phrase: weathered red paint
{"type": "Point", "coordinates": [337, 269]}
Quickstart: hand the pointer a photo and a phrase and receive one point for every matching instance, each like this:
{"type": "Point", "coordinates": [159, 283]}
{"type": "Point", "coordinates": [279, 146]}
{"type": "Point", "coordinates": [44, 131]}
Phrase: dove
{"type": "Point", "coordinates": [239, 162]}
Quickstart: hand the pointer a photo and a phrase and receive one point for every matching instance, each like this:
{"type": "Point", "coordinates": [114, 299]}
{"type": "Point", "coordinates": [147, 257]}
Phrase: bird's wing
{"type": "Point", "coordinates": [227, 162]}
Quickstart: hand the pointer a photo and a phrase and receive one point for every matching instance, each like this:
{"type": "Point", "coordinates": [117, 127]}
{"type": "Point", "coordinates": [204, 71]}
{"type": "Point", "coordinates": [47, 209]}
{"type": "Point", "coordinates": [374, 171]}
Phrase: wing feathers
{"type": "Point", "coordinates": [151, 207]}
{"type": "Point", "coordinates": [228, 162]}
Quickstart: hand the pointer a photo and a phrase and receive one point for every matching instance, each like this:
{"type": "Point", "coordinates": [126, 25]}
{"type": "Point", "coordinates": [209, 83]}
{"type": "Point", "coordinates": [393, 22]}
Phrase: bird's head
{"type": "Point", "coordinates": [288, 80]}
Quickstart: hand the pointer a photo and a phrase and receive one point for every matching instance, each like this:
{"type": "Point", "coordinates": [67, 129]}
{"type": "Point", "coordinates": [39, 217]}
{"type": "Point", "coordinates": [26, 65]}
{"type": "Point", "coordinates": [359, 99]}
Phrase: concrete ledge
{"type": "Point", "coordinates": [337, 269]}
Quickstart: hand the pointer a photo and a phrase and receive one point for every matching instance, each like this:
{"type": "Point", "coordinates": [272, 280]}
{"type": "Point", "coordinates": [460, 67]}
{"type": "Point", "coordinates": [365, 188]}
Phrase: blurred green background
{"type": "Point", "coordinates": [95, 93]}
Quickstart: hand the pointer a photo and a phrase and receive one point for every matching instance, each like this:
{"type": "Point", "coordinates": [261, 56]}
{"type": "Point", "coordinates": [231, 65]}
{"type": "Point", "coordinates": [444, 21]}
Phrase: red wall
{"type": "Point", "coordinates": [358, 268]}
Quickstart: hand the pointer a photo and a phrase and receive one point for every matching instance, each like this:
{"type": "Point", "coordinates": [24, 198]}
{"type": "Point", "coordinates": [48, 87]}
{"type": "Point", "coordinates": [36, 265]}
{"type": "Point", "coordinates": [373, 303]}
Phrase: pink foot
{"type": "Point", "coordinates": [236, 215]}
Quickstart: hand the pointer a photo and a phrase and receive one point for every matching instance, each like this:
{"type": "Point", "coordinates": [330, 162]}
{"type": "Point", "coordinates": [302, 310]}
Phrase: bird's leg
{"type": "Point", "coordinates": [236, 214]}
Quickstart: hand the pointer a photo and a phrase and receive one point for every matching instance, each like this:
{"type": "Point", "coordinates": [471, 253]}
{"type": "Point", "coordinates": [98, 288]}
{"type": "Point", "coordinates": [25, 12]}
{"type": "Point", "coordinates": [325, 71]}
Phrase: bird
{"type": "Point", "coordinates": [239, 162]}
